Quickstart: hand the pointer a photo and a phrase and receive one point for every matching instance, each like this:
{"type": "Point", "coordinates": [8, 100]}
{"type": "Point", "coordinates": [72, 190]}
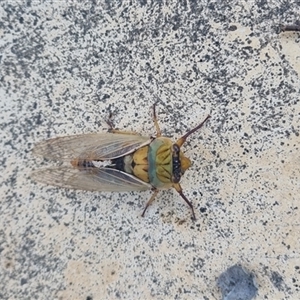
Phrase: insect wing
{"type": "Point", "coordinates": [93, 146]}
{"type": "Point", "coordinates": [90, 179]}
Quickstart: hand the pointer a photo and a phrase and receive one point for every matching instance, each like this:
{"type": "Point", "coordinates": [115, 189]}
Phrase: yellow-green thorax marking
{"type": "Point", "coordinates": [161, 163]}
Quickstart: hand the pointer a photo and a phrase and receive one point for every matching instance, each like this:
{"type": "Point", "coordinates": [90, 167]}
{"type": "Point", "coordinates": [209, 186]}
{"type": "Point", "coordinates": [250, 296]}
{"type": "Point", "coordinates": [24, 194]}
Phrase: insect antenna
{"type": "Point", "coordinates": [181, 141]}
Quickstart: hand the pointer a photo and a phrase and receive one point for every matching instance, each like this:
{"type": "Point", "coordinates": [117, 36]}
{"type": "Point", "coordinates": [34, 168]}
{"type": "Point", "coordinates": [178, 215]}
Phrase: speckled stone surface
{"type": "Point", "coordinates": [65, 65]}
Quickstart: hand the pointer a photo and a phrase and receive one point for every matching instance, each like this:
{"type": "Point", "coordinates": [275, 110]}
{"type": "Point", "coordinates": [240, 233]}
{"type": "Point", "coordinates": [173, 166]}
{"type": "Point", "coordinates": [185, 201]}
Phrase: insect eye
{"type": "Point", "coordinates": [176, 178]}
{"type": "Point", "coordinates": [176, 163]}
{"type": "Point", "coordinates": [176, 149]}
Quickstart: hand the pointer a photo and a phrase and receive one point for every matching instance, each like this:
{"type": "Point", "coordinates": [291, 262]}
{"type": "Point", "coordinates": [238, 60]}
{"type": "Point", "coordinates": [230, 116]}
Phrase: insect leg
{"type": "Point", "coordinates": [178, 188]}
{"type": "Point", "coordinates": [181, 141]}
{"type": "Point", "coordinates": [150, 201]}
{"type": "Point", "coordinates": [158, 131]}
{"type": "Point", "coordinates": [110, 122]}
{"type": "Point", "coordinates": [112, 129]}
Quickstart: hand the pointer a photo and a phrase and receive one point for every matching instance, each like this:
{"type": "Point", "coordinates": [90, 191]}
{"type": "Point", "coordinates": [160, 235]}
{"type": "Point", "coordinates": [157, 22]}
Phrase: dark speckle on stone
{"type": "Point", "coordinates": [232, 28]}
{"type": "Point", "coordinates": [203, 209]}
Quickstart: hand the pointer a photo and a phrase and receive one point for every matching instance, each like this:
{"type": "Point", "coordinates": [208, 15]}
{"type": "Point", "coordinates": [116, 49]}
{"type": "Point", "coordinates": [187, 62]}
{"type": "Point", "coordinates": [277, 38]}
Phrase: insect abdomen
{"type": "Point", "coordinates": [82, 163]}
{"type": "Point", "coordinates": [140, 165]}
{"type": "Point", "coordinates": [135, 163]}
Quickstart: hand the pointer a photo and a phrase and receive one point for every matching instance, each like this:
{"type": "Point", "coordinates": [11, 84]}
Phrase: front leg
{"type": "Point", "coordinates": [150, 201]}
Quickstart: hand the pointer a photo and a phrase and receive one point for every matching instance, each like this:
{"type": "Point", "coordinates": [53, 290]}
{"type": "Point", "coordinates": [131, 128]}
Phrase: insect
{"type": "Point", "coordinates": [116, 161]}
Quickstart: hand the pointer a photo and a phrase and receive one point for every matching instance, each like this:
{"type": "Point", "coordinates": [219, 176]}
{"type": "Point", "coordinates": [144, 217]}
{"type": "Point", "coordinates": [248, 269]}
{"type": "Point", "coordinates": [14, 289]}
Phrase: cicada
{"type": "Point", "coordinates": [116, 161]}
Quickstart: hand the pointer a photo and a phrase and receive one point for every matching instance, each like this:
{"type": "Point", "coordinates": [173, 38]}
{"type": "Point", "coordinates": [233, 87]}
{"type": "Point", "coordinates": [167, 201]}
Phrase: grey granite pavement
{"type": "Point", "coordinates": [65, 65]}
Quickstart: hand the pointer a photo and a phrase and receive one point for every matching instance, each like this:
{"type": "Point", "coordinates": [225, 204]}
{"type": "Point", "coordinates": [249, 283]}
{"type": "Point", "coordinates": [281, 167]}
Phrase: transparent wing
{"type": "Point", "coordinates": [90, 179]}
{"type": "Point", "coordinates": [92, 146]}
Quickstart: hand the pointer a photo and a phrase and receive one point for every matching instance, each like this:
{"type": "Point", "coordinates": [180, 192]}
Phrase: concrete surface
{"type": "Point", "coordinates": [65, 65]}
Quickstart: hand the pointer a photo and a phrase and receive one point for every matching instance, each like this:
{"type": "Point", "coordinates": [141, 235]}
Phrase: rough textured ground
{"type": "Point", "coordinates": [65, 65]}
